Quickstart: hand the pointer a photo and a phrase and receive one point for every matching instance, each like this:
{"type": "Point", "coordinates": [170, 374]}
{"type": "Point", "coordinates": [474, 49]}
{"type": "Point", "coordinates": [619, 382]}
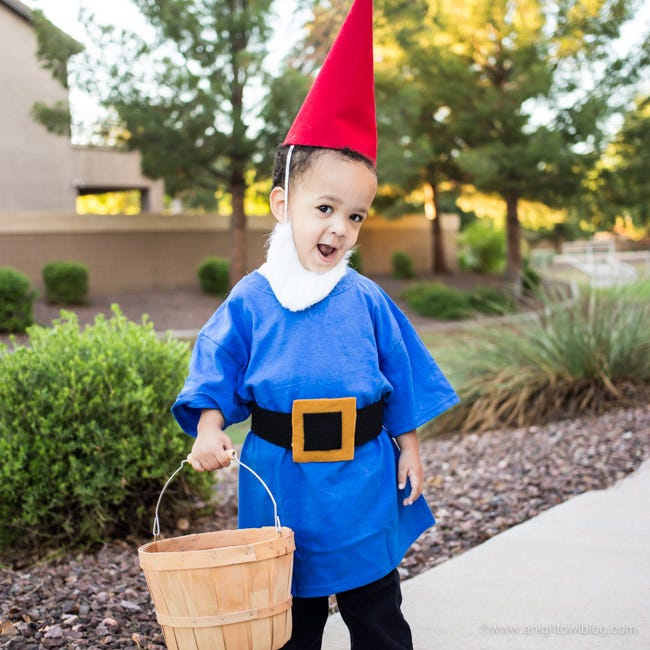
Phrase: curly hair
{"type": "Point", "coordinates": [302, 158]}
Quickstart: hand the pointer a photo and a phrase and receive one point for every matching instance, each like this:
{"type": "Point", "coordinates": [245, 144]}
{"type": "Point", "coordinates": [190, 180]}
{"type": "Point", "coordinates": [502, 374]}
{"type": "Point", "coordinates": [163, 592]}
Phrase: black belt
{"type": "Point", "coordinates": [322, 430]}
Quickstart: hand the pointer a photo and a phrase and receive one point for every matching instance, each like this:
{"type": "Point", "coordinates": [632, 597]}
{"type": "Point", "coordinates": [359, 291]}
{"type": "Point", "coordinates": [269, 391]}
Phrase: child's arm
{"type": "Point", "coordinates": [410, 466]}
{"type": "Point", "coordinates": [209, 449]}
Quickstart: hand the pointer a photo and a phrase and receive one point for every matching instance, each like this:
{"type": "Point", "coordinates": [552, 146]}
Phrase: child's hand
{"type": "Point", "coordinates": [410, 467]}
{"type": "Point", "coordinates": [210, 449]}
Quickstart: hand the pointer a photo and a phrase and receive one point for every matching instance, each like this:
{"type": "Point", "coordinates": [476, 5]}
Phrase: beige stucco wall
{"type": "Point", "coordinates": [380, 238]}
{"type": "Point", "coordinates": [36, 165]}
{"type": "Point", "coordinates": [130, 253]}
{"type": "Point", "coordinates": [108, 168]}
{"type": "Point", "coordinates": [123, 253]}
{"type": "Point", "coordinates": [40, 170]}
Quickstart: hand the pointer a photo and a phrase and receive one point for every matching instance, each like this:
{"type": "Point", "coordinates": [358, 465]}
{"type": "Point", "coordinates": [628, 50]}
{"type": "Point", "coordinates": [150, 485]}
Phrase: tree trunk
{"type": "Point", "coordinates": [237, 229]}
{"type": "Point", "coordinates": [432, 211]}
{"type": "Point", "coordinates": [238, 146]}
{"type": "Point", "coordinates": [513, 240]}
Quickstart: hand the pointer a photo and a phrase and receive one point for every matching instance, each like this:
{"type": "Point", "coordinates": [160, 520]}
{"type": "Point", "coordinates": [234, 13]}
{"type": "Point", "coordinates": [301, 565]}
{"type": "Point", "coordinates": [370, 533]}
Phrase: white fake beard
{"type": "Point", "coordinates": [295, 287]}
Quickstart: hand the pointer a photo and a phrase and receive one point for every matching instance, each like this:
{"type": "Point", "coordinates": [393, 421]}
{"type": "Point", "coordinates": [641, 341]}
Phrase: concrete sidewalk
{"type": "Point", "coordinates": [576, 576]}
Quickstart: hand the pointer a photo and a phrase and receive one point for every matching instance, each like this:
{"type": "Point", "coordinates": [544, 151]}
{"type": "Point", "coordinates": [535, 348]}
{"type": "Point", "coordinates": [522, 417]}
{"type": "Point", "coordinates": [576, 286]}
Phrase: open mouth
{"type": "Point", "coordinates": [326, 251]}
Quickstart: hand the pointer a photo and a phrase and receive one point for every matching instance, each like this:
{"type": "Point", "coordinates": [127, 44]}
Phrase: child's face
{"type": "Point", "coordinates": [327, 205]}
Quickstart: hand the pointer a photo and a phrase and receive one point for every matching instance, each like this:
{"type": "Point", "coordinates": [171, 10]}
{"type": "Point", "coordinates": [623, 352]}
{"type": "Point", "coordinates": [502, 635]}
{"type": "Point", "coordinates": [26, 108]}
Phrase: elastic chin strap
{"type": "Point", "coordinates": [286, 184]}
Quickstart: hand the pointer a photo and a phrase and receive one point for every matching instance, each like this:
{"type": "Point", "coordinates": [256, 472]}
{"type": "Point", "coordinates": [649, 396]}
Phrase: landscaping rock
{"type": "Point", "coordinates": [476, 485]}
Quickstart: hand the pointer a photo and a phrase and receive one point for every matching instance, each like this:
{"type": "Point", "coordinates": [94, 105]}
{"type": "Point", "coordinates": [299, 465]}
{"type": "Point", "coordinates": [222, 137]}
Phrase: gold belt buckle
{"type": "Point", "coordinates": [346, 406]}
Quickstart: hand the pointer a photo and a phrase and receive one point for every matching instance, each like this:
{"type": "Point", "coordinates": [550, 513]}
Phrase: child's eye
{"type": "Point", "coordinates": [325, 209]}
{"type": "Point", "coordinates": [357, 218]}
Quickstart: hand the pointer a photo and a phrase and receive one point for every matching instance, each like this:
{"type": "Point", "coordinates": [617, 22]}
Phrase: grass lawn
{"type": "Point", "coordinates": [237, 432]}
{"type": "Point", "coordinates": [640, 290]}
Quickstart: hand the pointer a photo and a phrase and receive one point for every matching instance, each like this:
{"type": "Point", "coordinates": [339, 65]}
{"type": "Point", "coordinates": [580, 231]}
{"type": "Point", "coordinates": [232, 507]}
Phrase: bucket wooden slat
{"type": "Point", "coordinates": [261, 629]}
{"type": "Point", "coordinates": [210, 579]}
{"type": "Point", "coordinates": [183, 639]}
{"type": "Point", "coordinates": [214, 549]}
{"type": "Point", "coordinates": [224, 619]}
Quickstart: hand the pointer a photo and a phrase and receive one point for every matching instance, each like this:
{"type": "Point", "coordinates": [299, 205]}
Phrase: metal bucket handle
{"type": "Point", "coordinates": [233, 456]}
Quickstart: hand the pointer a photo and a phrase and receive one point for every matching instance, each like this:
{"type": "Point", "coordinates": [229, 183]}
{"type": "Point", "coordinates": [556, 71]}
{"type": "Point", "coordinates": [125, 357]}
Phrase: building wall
{"type": "Point", "coordinates": [132, 253]}
{"type": "Point", "coordinates": [102, 167]}
{"type": "Point", "coordinates": [36, 165]}
{"type": "Point", "coordinates": [39, 170]}
{"type": "Point", "coordinates": [380, 238]}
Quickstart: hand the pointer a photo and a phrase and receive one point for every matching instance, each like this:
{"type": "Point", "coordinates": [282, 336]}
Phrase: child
{"type": "Point", "coordinates": [332, 372]}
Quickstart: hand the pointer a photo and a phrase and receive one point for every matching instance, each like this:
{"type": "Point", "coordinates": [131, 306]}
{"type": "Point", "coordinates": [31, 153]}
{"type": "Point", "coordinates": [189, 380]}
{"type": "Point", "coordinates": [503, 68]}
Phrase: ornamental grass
{"type": "Point", "coordinates": [571, 358]}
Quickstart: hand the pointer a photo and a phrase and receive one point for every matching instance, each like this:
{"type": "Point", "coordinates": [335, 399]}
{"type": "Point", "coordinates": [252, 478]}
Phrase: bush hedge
{"type": "Point", "coordinates": [355, 262]}
{"type": "Point", "coordinates": [66, 283]}
{"type": "Point", "coordinates": [435, 300]}
{"type": "Point", "coordinates": [490, 300]}
{"type": "Point", "coordinates": [16, 301]}
{"type": "Point", "coordinates": [482, 247]}
{"type": "Point", "coordinates": [214, 276]}
{"type": "Point", "coordinates": [531, 281]}
{"type": "Point", "coordinates": [402, 266]}
{"type": "Point", "coordinates": [86, 436]}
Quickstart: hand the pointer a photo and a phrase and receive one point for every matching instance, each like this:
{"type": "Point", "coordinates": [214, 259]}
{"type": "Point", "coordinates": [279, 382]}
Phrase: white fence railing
{"type": "Point", "coordinates": [603, 265]}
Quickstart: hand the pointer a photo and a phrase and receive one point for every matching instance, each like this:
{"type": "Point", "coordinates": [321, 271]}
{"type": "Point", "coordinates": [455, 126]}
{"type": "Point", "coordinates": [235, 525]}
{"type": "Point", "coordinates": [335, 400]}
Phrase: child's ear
{"type": "Point", "coordinates": [276, 199]}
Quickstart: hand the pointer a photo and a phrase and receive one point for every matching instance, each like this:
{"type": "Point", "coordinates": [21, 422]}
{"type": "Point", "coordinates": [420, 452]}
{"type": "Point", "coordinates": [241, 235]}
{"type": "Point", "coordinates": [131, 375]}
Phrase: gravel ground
{"type": "Point", "coordinates": [476, 485]}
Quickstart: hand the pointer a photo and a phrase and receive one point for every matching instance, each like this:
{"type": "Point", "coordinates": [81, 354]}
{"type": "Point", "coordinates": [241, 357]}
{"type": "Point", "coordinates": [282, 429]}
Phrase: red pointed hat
{"type": "Point", "coordinates": [339, 110]}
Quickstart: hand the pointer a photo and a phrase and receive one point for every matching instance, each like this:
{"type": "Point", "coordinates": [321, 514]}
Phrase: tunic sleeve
{"type": "Point", "coordinates": [218, 362]}
{"type": "Point", "coordinates": [420, 391]}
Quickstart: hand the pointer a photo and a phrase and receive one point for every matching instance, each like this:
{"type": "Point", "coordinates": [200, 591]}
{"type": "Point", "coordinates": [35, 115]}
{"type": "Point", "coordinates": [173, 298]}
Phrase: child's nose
{"type": "Point", "coordinates": [337, 225]}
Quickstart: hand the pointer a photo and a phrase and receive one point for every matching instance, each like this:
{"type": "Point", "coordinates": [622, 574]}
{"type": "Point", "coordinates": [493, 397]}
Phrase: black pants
{"type": "Point", "coordinates": [372, 614]}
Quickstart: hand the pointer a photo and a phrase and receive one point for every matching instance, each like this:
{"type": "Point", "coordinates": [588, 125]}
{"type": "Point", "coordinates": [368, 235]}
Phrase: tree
{"type": "Point", "coordinates": [518, 116]}
{"type": "Point", "coordinates": [54, 49]}
{"type": "Point", "coordinates": [404, 158]}
{"type": "Point", "coordinates": [179, 95]}
{"type": "Point", "coordinates": [287, 91]}
{"type": "Point", "coordinates": [622, 174]}
{"type": "Point", "coordinates": [417, 146]}
{"type": "Point", "coordinates": [284, 97]}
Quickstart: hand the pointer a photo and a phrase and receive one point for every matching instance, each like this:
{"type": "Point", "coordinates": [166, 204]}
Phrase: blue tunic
{"type": "Point", "coordinates": [349, 522]}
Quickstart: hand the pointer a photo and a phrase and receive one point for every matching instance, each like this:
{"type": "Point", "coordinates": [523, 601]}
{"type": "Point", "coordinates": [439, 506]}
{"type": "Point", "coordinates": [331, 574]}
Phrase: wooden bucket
{"type": "Point", "coordinates": [222, 590]}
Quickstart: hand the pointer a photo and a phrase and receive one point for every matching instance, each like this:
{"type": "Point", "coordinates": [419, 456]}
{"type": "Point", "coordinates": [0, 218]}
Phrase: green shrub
{"type": "Point", "coordinates": [531, 280]}
{"type": "Point", "coordinates": [490, 300]}
{"type": "Point", "coordinates": [214, 276]}
{"type": "Point", "coordinates": [568, 359]}
{"type": "Point", "coordinates": [437, 301]}
{"type": "Point", "coordinates": [482, 247]}
{"type": "Point", "coordinates": [66, 283]}
{"type": "Point", "coordinates": [355, 261]}
{"type": "Point", "coordinates": [402, 266]}
{"type": "Point", "coordinates": [86, 437]}
{"type": "Point", "coordinates": [639, 290]}
{"type": "Point", "coordinates": [16, 301]}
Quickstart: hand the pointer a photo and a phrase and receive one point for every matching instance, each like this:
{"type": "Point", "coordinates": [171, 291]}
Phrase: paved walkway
{"type": "Point", "coordinates": [577, 576]}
